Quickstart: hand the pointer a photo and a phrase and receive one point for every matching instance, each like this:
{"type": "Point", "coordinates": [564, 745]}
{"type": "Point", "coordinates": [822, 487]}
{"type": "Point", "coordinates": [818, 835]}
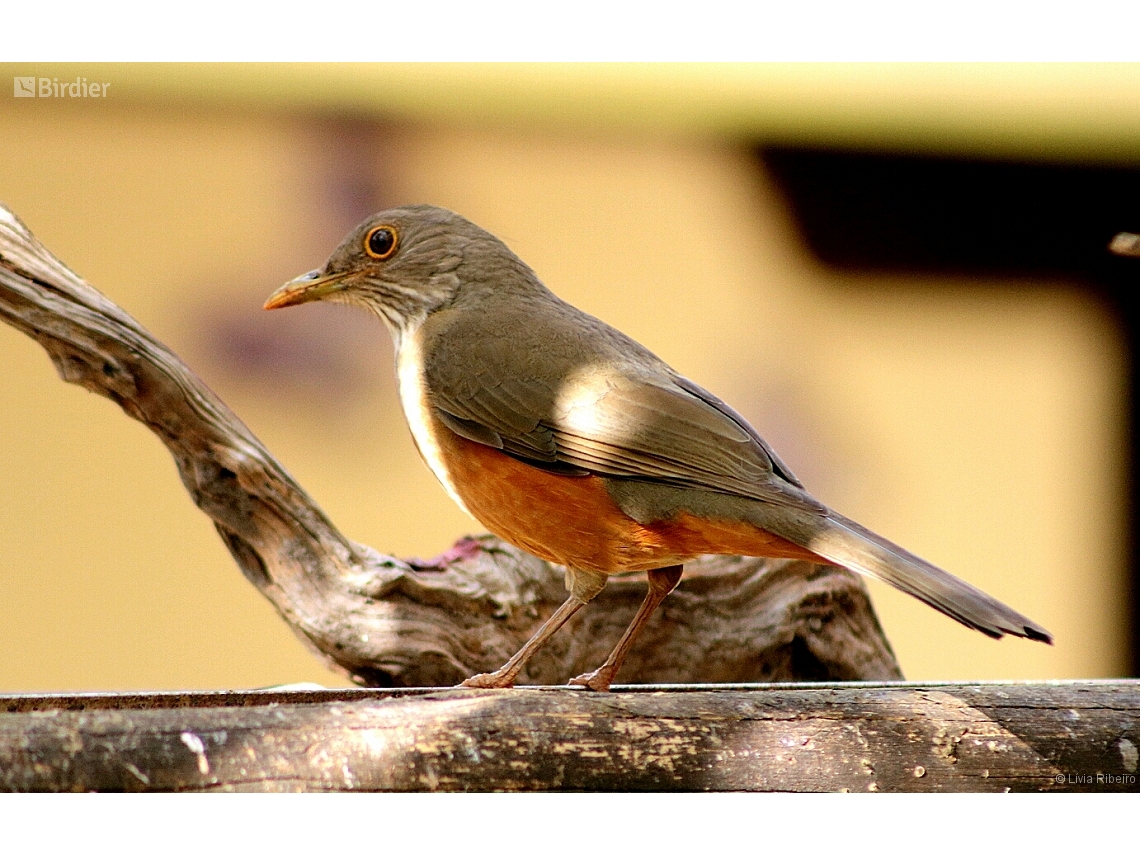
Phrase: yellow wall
{"type": "Point", "coordinates": [981, 428]}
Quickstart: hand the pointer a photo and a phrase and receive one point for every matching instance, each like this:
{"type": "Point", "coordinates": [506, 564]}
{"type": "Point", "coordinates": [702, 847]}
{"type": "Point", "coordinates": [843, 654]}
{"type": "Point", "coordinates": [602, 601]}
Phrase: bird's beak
{"type": "Point", "coordinates": [306, 288]}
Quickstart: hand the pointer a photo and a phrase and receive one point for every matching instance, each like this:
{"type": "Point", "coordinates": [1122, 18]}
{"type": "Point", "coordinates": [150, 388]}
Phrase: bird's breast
{"type": "Point", "coordinates": [417, 407]}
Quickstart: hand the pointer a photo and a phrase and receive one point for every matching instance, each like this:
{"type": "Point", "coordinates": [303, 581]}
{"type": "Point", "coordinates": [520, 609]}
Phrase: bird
{"type": "Point", "coordinates": [568, 439]}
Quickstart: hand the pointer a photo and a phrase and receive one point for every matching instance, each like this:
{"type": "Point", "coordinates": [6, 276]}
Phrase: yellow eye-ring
{"type": "Point", "coordinates": [381, 242]}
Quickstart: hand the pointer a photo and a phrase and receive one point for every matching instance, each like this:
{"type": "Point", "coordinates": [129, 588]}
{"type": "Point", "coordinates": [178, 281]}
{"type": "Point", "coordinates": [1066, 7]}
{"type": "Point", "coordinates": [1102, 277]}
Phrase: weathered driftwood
{"type": "Point", "coordinates": [388, 623]}
{"type": "Point", "coordinates": [908, 737]}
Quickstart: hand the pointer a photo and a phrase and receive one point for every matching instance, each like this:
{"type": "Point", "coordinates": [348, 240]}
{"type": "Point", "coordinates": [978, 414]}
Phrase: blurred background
{"type": "Point", "coordinates": [898, 273]}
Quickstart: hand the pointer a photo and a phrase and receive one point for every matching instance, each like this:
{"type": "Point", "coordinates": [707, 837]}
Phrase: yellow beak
{"type": "Point", "coordinates": [305, 289]}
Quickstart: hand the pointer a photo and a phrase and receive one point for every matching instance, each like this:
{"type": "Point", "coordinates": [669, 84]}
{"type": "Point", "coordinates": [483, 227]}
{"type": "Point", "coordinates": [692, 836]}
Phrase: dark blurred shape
{"type": "Point", "coordinates": [902, 212]}
{"type": "Point", "coordinates": [1034, 222]}
{"type": "Point", "coordinates": [356, 175]}
{"type": "Point", "coordinates": [329, 356]}
{"type": "Point", "coordinates": [328, 359]}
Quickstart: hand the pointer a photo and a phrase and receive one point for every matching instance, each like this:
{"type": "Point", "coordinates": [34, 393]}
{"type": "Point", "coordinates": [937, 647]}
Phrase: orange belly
{"type": "Point", "coordinates": [573, 521]}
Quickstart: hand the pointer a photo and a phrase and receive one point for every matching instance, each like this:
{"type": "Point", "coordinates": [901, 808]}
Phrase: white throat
{"type": "Point", "coordinates": [417, 406]}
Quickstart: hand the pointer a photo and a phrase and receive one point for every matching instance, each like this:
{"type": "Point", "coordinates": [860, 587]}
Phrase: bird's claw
{"type": "Point", "coordinates": [597, 681]}
{"type": "Point", "coordinates": [494, 680]}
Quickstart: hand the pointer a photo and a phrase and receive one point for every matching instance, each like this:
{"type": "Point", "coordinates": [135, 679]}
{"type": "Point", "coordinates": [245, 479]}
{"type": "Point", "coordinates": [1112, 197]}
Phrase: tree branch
{"type": "Point", "coordinates": [385, 622]}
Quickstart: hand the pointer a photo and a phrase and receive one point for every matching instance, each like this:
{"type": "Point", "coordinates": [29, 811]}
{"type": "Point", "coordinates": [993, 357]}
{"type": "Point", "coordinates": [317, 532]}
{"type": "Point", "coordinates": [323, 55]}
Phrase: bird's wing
{"type": "Point", "coordinates": [642, 421]}
{"type": "Point", "coordinates": [636, 421]}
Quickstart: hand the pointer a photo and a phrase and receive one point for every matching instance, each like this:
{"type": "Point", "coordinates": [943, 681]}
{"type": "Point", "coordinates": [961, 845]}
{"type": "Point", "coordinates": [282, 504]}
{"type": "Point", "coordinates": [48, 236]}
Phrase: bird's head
{"type": "Point", "coordinates": [404, 264]}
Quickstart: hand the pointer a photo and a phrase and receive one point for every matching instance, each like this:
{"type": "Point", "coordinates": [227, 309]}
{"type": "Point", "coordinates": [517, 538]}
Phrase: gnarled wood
{"type": "Point", "coordinates": [386, 622]}
{"type": "Point", "coordinates": [1080, 736]}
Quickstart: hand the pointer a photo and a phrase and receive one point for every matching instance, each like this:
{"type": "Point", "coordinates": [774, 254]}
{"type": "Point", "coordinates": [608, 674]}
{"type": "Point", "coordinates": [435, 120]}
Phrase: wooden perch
{"type": "Point", "coordinates": [1079, 736]}
{"type": "Point", "coordinates": [386, 622]}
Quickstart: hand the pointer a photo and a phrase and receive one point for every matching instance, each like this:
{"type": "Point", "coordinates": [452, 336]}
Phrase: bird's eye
{"type": "Point", "coordinates": [380, 242]}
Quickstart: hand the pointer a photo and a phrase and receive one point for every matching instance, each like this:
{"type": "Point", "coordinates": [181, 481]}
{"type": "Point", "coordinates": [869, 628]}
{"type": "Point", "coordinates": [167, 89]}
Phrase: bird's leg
{"type": "Point", "coordinates": [661, 582]}
{"type": "Point", "coordinates": [504, 678]}
{"type": "Point", "coordinates": [584, 585]}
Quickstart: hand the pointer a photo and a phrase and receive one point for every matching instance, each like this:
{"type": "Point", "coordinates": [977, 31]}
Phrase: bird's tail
{"type": "Point", "coordinates": [848, 544]}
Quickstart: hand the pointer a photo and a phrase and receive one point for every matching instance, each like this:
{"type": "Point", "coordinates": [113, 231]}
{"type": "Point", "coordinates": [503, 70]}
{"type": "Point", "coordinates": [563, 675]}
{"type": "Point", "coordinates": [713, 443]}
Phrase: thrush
{"type": "Point", "coordinates": [570, 440]}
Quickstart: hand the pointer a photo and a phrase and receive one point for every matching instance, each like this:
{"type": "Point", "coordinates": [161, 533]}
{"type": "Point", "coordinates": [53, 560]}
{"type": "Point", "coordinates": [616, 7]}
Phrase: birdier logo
{"type": "Point", "coordinates": [52, 87]}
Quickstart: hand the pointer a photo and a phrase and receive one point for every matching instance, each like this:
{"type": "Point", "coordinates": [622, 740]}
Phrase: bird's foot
{"type": "Point", "coordinates": [494, 680]}
{"type": "Point", "coordinates": [598, 681]}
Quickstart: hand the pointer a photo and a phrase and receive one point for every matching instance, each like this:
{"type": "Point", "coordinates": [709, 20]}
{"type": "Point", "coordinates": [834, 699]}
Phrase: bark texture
{"type": "Point", "coordinates": [1080, 736]}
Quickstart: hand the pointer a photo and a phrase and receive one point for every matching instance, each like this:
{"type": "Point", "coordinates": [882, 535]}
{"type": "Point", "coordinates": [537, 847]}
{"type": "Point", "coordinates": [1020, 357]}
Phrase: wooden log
{"type": "Point", "coordinates": [1063, 736]}
{"type": "Point", "coordinates": [387, 622]}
